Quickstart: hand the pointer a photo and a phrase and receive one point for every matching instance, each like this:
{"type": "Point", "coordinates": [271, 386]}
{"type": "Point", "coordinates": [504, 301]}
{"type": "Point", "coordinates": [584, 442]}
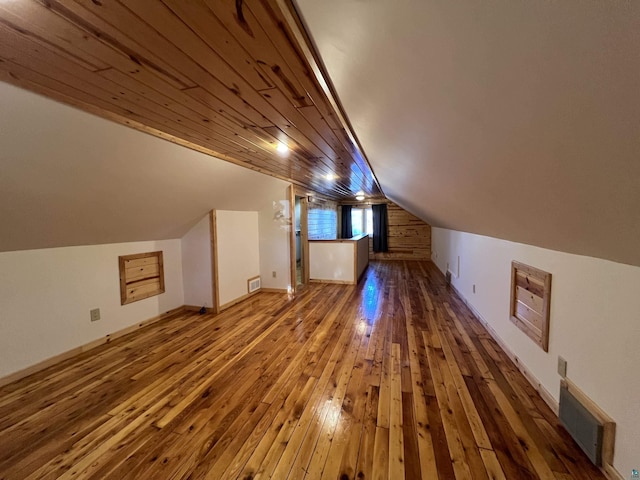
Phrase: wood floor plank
{"type": "Point", "coordinates": [364, 464]}
{"type": "Point", "coordinates": [454, 443]}
{"type": "Point", "coordinates": [393, 378]}
{"type": "Point", "coordinates": [396, 434]}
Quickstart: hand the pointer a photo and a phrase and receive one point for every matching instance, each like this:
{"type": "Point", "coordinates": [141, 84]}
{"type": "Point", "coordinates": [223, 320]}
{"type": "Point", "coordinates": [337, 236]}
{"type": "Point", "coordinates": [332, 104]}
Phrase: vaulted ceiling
{"type": "Point", "coordinates": [513, 119]}
{"type": "Point", "coordinates": [227, 78]}
{"type": "Point", "coordinates": [517, 120]}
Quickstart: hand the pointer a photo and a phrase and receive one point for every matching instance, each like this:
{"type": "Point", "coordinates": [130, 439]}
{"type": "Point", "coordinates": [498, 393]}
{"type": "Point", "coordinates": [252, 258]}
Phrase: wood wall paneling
{"type": "Point", "coordinates": [409, 237]}
{"type": "Point", "coordinates": [225, 78]}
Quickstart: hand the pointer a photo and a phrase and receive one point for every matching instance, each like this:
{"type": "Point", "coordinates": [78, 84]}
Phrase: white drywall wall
{"type": "Point", "coordinates": [595, 322]}
{"type": "Point", "coordinates": [332, 261]}
{"type": "Point", "coordinates": [196, 265]}
{"type": "Point", "coordinates": [46, 295]}
{"type": "Point", "coordinates": [238, 249]}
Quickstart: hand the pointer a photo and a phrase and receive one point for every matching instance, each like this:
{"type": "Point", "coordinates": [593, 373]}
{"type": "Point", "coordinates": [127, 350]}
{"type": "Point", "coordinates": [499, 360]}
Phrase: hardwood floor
{"type": "Point", "coordinates": [390, 379]}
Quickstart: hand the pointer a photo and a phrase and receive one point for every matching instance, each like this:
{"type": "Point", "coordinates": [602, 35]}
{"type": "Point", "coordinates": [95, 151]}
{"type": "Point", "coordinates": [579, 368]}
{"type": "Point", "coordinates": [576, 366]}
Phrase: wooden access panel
{"type": "Point", "coordinates": [531, 302]}
{"type": "Point", "coordinates": [141, 276]}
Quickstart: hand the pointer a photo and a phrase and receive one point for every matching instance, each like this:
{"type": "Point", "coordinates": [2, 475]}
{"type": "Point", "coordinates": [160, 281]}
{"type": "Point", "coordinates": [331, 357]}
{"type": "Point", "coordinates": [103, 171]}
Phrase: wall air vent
{"type": "Point", "coordinates": [253, 284]}
{"type": "Point", "coordinates": [592, 430]}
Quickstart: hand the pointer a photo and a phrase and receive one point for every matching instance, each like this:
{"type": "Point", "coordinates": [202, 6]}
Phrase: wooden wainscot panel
{"type": "Point", "coordinates": [409, 237]}
{"type": "Point", "coordinates": [141, 276]}
{"type": "Point", "coordinates": [531, 302]}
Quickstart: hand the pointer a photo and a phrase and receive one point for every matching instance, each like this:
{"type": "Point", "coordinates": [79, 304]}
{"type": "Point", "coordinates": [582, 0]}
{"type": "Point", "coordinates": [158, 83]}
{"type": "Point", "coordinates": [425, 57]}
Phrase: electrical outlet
{"type": "Point", "coordinates": [273, 274]}
{"type": "Point", "coordinates": [95, 314]}
{"type": "Point", "coordinates": [562, 367]}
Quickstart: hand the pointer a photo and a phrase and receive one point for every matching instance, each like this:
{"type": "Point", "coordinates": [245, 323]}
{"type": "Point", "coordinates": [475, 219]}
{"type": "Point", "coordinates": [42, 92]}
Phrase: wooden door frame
{"type": "Point", "coordinates": [213, 233]}
{"type": "Point", "coordinates": [295, 191]}
{"type": "Point", "coordinates": [304, 238]}
{"type": "Point", "coordinates": [292, 239]}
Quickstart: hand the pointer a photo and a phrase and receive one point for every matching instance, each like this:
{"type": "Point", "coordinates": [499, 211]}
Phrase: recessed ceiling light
{"type": "Point", "coordinates": [331, 176]}
{"type": "Point", "coordinates": [282, 147]}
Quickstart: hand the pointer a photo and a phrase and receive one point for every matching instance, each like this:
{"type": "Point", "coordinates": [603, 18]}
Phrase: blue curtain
{"type": "Point", "coordinates": [380, 228]}
{"type": "Point", "coordinates": [345, 224]}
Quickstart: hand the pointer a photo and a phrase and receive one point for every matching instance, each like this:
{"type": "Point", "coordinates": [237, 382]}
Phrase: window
{"type": "Point", "coordinates": [357, 222]}
{"type": "Point", "coordinates": [361, 221]}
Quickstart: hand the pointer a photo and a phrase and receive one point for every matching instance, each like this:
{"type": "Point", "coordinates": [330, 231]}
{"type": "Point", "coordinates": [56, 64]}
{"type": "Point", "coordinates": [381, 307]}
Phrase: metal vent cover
{"type": "Point", "coordinates": [254, 284]}
{"type": "Point", "coordinates": [583, 426]}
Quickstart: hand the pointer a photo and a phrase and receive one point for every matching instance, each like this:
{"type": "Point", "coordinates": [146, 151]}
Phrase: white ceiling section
{"type": "Point", "coordinates": [70, 178]}
{"type": "Point", "coordinates": [513, 119]}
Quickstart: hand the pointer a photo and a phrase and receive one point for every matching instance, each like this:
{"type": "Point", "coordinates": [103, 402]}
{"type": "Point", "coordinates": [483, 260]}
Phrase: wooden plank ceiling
{"type": "Point", "coordinates": [225, 77]}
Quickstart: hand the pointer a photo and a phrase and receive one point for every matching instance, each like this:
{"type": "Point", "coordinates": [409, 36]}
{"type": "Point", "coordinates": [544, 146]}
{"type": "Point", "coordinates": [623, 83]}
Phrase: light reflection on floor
{"type": "Point", "coordinates": [371, 299]}
{"type": "Point", "coordinates": [370, 307]}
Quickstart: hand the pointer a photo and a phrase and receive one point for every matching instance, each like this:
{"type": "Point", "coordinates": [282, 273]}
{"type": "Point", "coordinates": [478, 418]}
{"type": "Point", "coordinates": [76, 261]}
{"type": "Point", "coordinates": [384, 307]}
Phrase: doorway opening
{"type": "Point", "coordinates": [300, 226]}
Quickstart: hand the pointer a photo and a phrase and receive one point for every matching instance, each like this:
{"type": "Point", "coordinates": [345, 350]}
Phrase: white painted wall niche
{"type": "Point", "coordinates": [238, 253]}
{"type": "Point", "coordinates": [197, 270]}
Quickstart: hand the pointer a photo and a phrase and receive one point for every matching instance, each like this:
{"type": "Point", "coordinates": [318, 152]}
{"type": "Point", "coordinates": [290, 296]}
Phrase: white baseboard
{"type": "Point", "coordinates": [531, 378]}
{"type": "Point", "coordinates": [608, 470]}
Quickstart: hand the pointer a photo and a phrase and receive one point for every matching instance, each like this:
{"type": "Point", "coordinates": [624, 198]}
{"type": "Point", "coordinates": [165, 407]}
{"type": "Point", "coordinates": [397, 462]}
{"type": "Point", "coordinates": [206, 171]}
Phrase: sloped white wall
{"type": "Point", "coordinates": [595, 322]}
{"type": "Point", "coordinates": [46, 295]}
{"type": "Point", "coordinates": [238, 249]}
{"type": "Point", "coordinates": [196, 265]}
{"type": "Point", "coordinates": [71, 178]}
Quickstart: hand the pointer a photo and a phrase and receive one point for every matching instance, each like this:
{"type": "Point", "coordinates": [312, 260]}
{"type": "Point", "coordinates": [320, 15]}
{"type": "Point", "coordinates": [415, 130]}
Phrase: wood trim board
{"type": "Point", "coordinates": [87, 346]}
{"type": "Point", "coordinates": [530, 305]}
{"type": "Point", "coordinates": [213, 229]}
{"type": "Point", "coordinates": [274, 290]}
{"type": "Point", "coordinates": [608, 424]}
{"type": "Point", "coordinates": [291, 191]}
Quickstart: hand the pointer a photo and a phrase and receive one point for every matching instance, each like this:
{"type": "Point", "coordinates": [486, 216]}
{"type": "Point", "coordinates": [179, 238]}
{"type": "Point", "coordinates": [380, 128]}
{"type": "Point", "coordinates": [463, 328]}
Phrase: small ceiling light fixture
{"type": "Point", "coordinates": [331, 176]}
{"type": "Point", "coordinates": [282, 147]}
{"type": "Point", "coordinates": [360, 196]}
